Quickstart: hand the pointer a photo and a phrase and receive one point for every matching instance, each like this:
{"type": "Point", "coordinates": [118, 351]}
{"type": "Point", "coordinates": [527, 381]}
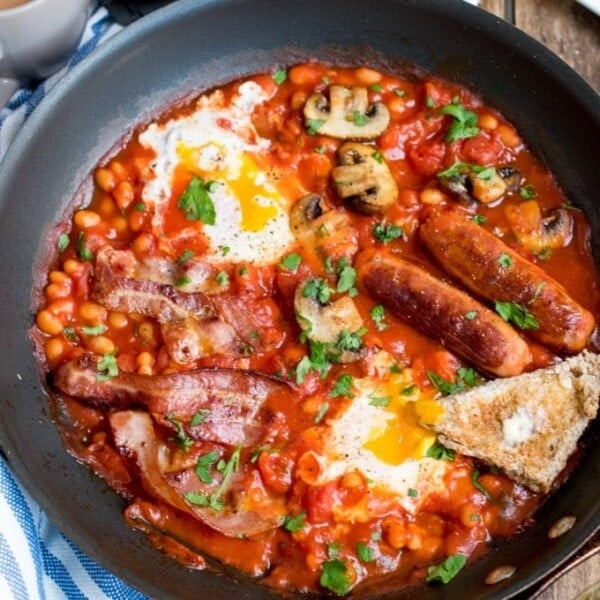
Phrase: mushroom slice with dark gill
{"type": "Point", "coordinates": [323, 230]}
{"type": "Point", "coordinates": [483, 184]}
{"type": "Point", "coordinates": [537, 232]}
{"type": "Point", "coordinates": [324, 323]}
{"type": "Point", "coordinates": [229, 400]}
{"type": "Point", "coordinates": [347, 114]}
{"type": "Point", "coordinates": [364, 180]}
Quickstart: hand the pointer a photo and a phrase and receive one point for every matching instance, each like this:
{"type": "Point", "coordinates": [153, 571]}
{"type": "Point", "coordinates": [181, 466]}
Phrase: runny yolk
{"type": "Point", "coordinates": [258, 203]}
{"type": "Point", "coordinates": [403, 437]}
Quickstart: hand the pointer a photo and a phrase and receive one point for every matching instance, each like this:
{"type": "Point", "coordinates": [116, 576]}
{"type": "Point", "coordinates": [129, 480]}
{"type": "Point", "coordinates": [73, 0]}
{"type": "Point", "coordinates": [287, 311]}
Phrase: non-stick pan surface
{"type": "Point", "coordinates": [192, 45]}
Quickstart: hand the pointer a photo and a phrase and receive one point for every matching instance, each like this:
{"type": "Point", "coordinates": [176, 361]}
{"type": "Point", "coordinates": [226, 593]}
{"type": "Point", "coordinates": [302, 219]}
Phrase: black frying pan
{"type": "Point", "coordinates": [195, 44]}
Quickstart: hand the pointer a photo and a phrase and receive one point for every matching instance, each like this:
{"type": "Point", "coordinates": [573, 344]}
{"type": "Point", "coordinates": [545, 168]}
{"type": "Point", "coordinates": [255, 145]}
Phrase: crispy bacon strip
{"type": "Point", "coordinates": [229, 400]}
{"type": "Point", "coordinates": [134, 435]}
{"type": "Point", "coordinates": [193, 325]}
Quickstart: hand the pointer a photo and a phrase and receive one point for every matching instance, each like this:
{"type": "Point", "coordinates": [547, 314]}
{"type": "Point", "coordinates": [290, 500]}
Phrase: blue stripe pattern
{"type": "Point", "coordinates": [36, 561]}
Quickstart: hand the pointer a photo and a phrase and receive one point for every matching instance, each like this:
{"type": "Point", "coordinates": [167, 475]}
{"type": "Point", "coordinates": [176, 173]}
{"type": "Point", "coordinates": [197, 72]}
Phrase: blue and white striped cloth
{"type": "Point", "coordinates": [36, 561]}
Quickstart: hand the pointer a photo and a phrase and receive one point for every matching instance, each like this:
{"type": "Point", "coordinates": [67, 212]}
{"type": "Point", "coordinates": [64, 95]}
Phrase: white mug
{"type": "Point", "coordinates": [37, 38]}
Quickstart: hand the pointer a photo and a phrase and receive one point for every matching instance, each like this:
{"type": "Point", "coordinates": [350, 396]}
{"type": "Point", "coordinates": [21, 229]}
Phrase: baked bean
{"type": "Point", "coordinates": [304, 75]}
{"type": "Point", "coordinates": [144, 359]}
{"type": "Point", "coordinates": [394, 531]}
{"type": "Point", "coordinates": [48, 322]}
{"type": "Point", "coordinates": [100, 344]}
{"type": "Point", "coordinates": [123, 194]}
{"type": "Point", "coordinates": [54, 349]}
{"type": "Point", "coordinates": [59, 277]}
{"type": "Point", "coordinates": [136, 220]}
{"type": "Point", "coordinates": [145, 370]}
{"type": "Point", "coordinates": [487, 121]}
{"type": "Point", "coordinates": [63, 306]}
{"type": "Point", "coordinates": [366, 76]}
{"type": "Point", "coordinates": [508, 136]}
{"type": "Point", "coordinates": [54, 291]}
{"type": "Point", "coordinates": [298, 99]}
{"type": "Point", "coordinates": [105, 179]}
{"type": "Point", "coordinates": [120, 224]}
{"type": "Point", "coordinates": [119, 170]}
{"type": "Point", "coordinates": [84, 219]}
{"type": "Point", "coordinates": [143, 243]}
{"type": "Point", "coordinates": [432, 196]}
{"type": "Point", "coordinates": [72, 266]}
{"type": "Point", "coordinates": [313, 562]}
{"type": "Point", "coordinates": [117, 320]}
{"type": "Point", "coordinates": [92, 312]}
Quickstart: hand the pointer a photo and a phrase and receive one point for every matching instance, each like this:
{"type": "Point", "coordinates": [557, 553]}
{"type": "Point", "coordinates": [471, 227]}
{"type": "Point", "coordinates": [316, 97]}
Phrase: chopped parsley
{"type": "Point", "coordinates": [440, 452]}
{"type": "Point", "coordinates": [196, 201]}
{"type": "Point", "coordinates": [477, 485]}
{"type": "Point", "coordinates": [321, 150]}
{"type": "Point", "coordinates": [378, 316]}
{"type": "Point", "coordinates": [385, 233]}
{"type": "Point", "coordinates": [413, 493]}
{"type": "Point", "coordinates": [343, 386]}
{"type": "Point", "coordinates": [243, 270]}
{"type": "Point", "coordinates": [181, 439]}
{"type": "Point", "coordinates": [200, 416]}
{"type": "Point", "coordinates": [479, 219]}
{"type": "Point", "coordinates": [140, 207]}
{"type": "Point", "coordinates": [317, 289]}
{"type": "Point", "coordinates": [185, 256]}
{"type": "Point", "coordinates": [365, 552]}
{"type": "Point", "coordinates": [379, 400]}
{"type": "Point", "coordinates": [409, 390]}
{"type": "Point", "coordinates": [321, 412]}
{"type": "Point", "coordinates": [460, 168]}
{"type": "Point", "coordinates": [94, 329]}
{"type": "Point", "coordinates": [400, 93]}
{"type": "Point", "coordinates": [294, 523]}
{"type": "Point", "coordinates": [70, 334]}
{"type": "Point", "coordinates": [515, 313]}
{"type": "Point", "coordinates": [464, 124]}
{"type": "Point", "coordinates": [313, 125]}
{"type": "Point", "coordinates": [63, 242]}
{"type": "Point", "coordinates": [430, 102]}
{"type": "Point", "coordinates": [222, 278]}
{"type": "Point", "coordinates": [568, 206]}
{"type": "Point", "coordinates": [377, 156]}
{"type": "Point", "coordinates": [203, 465]}
{"type": "Point", "coordinates": [359, 119]}
{"type": "Point", "coordinates": [107, 367]}
{"type": "Point", "coordinates": [465, 377]}
{"type": "Point", "coordinates": [376, 87]}
{"type": "Point", "coordinates": [84, 252]}
{"type": "Point", "coordinates": [446, 571]}
{"type": "Point", "coordinates": [291, 262]}
{"type": "Point", "coordinates": [348, 340]}
{"type": "Point", "coordinates": [346, 278]}
{"type": "Point", "coordinates": [183, 280]}
{"type": "Point", "coordinates": [538, 289]}
{"type": "Point", "coordinates": [279, 76]}
{"type": "Point", "coordinates": [527, 192]}
{"type": "Point", "coordinates": [225, 250]}
{"type": "Point", "coordinates": [504, 260]}
{"type": "Point", "coordinates": [227, 469]}
{"type": "Point", "coordinates": [471, 315]}
{"type": "Point", "coordinates": [334, 577]}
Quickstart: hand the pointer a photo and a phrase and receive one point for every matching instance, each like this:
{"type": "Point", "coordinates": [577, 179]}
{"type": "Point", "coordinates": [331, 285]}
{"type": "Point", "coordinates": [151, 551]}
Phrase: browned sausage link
{"type": "Point", "coordinates": [488, 267]}
{"type": "Point", "coordinates": [446, 313]}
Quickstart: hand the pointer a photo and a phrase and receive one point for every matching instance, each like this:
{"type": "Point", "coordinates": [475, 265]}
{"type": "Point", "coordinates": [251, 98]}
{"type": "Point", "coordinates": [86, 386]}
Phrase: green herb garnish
{"type": "Point", "coordinates": [446, 571]}
{"type": "Point", "coordinates": [515, 313]}
{"type": "Point", "coordinates": [196, 201]}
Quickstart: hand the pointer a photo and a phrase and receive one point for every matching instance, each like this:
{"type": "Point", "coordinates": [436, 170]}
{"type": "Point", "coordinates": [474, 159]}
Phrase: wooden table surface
{"type": "Point", "coordinates": [564, 26]}
{"type": "Point", "coordinates": [572, 32]}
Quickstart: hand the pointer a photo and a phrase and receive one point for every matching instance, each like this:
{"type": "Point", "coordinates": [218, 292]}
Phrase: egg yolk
{"type": "Point", "coordinates": [258, 204]}
{"type": "Point", "coordinates": [402, 437]}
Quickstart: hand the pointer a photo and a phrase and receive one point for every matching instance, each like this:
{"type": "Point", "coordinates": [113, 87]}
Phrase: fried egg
{"type": "Point", "coordinates": [379, 435]}
{"type": "Point", "coordinates": [219, 143]}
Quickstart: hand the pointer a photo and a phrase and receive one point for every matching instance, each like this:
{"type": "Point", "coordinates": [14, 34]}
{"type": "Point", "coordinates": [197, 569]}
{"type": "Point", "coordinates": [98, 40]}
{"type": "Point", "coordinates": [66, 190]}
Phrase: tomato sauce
{"type": "Point", "coordinates": [335, 534]}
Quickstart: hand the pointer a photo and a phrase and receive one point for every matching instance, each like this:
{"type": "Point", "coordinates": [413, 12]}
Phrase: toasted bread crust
{"type": "Point", "coordinates": [526, 425]}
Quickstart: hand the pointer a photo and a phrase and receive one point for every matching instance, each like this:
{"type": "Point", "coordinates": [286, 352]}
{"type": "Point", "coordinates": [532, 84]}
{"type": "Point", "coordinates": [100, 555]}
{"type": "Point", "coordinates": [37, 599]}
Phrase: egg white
{"type": "Point", "coordinates": [219, 143]}
{"type": "Point", "coordinates": [363, 438]}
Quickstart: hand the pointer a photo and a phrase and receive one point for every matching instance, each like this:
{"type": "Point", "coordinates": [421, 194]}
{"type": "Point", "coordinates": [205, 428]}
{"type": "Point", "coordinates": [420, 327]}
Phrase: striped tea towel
{"type": "Point", "coordinates": [36, 561]}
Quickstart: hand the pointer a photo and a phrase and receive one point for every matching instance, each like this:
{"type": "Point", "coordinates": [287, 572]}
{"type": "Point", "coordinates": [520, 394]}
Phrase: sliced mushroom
{"type": "Point", "coordinates": [347, 114]}
{"type": "Point", "coordinates": [364, 181]}
{"type": "Point", "coordinates": [536, 232]}
{"type": "Point", "coordinates": [485, 185]}
{"type": "Point", "coordinates": [325, 323]}
{"type": "Point", "coordinates": [323, 230]}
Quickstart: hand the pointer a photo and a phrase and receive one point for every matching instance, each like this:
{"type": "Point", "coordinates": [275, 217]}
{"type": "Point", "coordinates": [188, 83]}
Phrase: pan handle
{"type": "Point", "coordinates": [125, 12]}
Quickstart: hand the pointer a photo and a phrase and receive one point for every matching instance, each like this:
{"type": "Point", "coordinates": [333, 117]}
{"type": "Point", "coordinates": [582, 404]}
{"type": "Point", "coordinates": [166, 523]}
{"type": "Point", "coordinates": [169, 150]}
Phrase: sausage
{"type": "Point", "coordinates": [444, 312]}
{"type": "Point", "coordinates": [488, 267]}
